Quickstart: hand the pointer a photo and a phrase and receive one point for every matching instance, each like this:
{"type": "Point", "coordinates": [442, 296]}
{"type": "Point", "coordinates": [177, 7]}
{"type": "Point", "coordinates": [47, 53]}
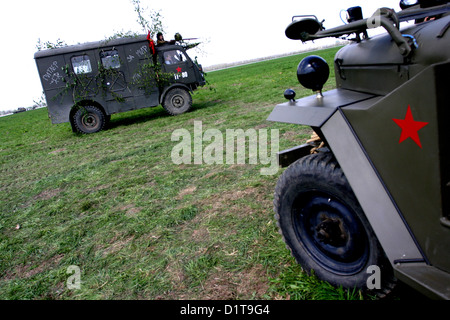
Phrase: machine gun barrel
{"type": "Point", "coordinates": [364, 24]}
{"type": "Point", "coordinates": [386, 18]}
{"type": "Point", "coordinates": [419, 13]}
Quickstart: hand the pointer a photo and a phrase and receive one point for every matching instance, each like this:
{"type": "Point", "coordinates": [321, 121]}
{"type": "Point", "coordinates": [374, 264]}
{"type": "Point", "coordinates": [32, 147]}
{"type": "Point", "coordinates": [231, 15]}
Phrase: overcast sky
{"type": "Point", "coordinates": [232, 30]}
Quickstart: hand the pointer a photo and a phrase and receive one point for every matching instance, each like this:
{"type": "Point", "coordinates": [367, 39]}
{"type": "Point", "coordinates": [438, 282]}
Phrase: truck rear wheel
{"type": "Point", "coordinates": [177, 101]}
{"type": "Point", "coordinates": [324, 226]}
{"type": "Point", "coordinates": [89, 119]}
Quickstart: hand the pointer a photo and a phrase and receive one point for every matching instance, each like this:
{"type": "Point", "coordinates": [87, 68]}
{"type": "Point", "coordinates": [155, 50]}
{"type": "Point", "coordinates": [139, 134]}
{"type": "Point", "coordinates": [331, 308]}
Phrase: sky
{"type": "Point", "coordinates": [230, 31]}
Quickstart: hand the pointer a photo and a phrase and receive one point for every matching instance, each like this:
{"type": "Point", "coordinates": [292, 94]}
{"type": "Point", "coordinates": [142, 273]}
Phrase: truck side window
{"type": "Point", "coordinates": [174, 57]}
{"type": "Point", "coordinates": [81, 64]}
{"type": "Point", "coordinates": [110, 59]}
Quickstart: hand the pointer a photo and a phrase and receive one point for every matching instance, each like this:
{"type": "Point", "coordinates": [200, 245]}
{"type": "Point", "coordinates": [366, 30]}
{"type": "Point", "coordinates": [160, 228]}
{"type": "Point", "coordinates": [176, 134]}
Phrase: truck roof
{"type": "Point", "coordinates": [89, 46]}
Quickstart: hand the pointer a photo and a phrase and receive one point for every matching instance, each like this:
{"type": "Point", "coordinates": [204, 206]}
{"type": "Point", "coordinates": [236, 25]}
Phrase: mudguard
{"type": "Point", "coordinates": [313, 111]}
{"type": "Point", "coordinates": [175, 85]}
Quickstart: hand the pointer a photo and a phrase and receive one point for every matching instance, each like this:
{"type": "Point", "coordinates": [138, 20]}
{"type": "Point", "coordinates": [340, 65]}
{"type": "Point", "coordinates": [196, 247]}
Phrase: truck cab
{"type": "Point", "coordinates": [175, 60]}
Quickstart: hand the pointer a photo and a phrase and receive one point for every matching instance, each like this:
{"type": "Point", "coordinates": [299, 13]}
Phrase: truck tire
{"type": "Point", "coordinates": [325, 228]}
{"type": "Point", "coordinates": [177, 101]}
{"type": "Point", "coordinates": [89, 119]}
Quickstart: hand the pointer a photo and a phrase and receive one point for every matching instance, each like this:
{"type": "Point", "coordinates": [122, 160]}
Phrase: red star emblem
{"type": "Point", "coordinates": [410, 128]}
{"type": "Point", "coordinates": [179, 70]}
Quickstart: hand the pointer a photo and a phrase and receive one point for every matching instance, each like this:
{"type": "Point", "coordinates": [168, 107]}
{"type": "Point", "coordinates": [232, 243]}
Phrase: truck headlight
{"type": "Point", "coordinates": [313, 72]}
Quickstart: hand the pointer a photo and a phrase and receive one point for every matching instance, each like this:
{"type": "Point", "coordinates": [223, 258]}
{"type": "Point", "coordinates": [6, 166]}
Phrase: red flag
{"type": "Point", "coordinates": [151, 43]}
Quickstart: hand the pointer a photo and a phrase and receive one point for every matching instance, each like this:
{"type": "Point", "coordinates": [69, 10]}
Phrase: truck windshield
{"type": "Point", "coordinates": [174, 57]}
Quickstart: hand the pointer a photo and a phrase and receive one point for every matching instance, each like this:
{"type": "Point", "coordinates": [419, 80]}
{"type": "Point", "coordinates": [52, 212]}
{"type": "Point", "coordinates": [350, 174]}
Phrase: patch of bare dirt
{"type": "Point", "coordinates": [187, 191]}
{"type": "Point", "coordinates": [57, 151]}
{"type": "Point", "coordinates": [200, 235]}
{"type": "Point", "coordinates": [246, 284]}
{"type": "Point", "coordinates": [228, 200]}
{"type": "Point", "coordinates": [117, 245]}
{"type": "Point", "coordinates": [130, 210]}
{"type": "Point", "coordinates": [240, 285]}
{"type": "Point", "coordinates": [27, 271]}
{"type": "Point", "coordinates": [48, 194]}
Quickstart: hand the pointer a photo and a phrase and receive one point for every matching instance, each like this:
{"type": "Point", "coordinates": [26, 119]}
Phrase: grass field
{"type": "Point", "coordinates": [139, 226]}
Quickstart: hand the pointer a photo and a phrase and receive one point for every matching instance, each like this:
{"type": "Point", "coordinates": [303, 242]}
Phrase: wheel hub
{"type": "Point", "coordinates": [178, 101]}
{"type": "Point", "coordinates": [330, 231]}
{"type": "Point", "coordinates": [90, 121]}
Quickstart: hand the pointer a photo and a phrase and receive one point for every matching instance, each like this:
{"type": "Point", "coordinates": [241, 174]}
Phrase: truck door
{"type": "Point", "coordinates": [85, 69]}
{"type": "Point", "coordinates": [54, 81]}
{"type": "Point", "coordinates": [177, 62]}
{"type": "Point", "coordinates": [113, 74]}
{"type": "Point", "coordinates": [143, 85]}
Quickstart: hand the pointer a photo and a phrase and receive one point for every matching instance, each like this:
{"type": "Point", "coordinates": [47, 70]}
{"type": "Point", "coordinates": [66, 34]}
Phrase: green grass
{"type": "Point", "coordinates": [139, 226]}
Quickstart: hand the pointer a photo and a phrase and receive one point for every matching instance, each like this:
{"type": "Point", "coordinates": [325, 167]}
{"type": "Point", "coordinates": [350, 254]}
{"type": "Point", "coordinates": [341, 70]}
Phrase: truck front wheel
{"type": "Point", "coordinates": [177, 101]}
{"type": "Point", "coordinates": [324, 226]}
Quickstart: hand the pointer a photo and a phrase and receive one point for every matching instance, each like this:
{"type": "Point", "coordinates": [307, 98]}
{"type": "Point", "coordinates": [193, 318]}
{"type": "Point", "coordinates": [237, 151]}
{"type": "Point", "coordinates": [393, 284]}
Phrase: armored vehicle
{"type": "Point", "coordinates": [366, 203]}
{"type": "Point", "coordinates": [85, 84]}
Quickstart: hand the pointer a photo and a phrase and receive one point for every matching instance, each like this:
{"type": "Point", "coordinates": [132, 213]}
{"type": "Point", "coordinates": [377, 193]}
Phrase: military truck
{"type": "Point", "coordinates": [85, 84]}
{"type": "Point", "coordinates": [366, 202]}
